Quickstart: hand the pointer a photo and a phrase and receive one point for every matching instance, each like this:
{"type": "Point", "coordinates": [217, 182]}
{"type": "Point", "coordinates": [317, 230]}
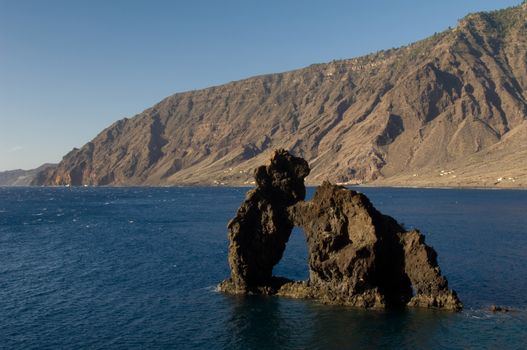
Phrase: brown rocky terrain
{"type": "Point", "coordinates": [356, 255]}
{"type": "Point", "coordinates": [20, 177]}
{"type": "Point", "coordinates": [450, 110]}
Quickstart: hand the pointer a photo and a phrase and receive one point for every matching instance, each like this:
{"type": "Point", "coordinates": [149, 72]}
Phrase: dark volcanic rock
{"type": "Point", "coordinates": [357, 256]}
{"type": "Point", "coordinates": [261, 228]}
{"type": "Point", "coordinates": [497, 308]}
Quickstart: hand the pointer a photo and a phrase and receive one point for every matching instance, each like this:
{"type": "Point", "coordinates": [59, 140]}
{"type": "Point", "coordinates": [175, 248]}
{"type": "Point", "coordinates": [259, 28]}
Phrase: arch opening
{"type": "Point", "coordinates": [294, 262]}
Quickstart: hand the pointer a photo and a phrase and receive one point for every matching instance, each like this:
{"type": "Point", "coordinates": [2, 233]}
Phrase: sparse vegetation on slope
{"type": "Point", "coordinates": [445, 101]}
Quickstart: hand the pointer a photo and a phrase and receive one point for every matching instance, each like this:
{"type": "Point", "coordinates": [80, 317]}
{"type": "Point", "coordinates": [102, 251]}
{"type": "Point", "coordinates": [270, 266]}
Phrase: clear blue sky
{"type": "Point", "coordinates": [70, 68]}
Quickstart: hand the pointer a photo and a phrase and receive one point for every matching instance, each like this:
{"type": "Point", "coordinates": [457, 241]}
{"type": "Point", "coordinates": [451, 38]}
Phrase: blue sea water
{"type": "Point", "coordinates": [135, 268]}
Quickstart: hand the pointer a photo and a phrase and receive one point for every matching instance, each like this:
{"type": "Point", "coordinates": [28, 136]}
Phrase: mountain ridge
{"type": "Point", "coordinates": [21, 177]}
{"type": "Point", "coordinates": [377, 119]}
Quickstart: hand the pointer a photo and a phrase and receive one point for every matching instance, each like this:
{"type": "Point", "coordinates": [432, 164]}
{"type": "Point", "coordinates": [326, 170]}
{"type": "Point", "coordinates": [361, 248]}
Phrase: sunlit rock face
{"type": "Point", "coordinates": [357, 256]}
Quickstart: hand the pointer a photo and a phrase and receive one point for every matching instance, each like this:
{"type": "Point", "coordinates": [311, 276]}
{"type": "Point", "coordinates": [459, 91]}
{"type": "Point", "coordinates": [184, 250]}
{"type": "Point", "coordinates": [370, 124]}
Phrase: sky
{"type": "Point", "coordinates": [70, 68]}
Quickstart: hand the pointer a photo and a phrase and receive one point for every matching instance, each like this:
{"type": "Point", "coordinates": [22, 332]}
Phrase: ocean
{"type": "Point", "coordinates": [136, 268]}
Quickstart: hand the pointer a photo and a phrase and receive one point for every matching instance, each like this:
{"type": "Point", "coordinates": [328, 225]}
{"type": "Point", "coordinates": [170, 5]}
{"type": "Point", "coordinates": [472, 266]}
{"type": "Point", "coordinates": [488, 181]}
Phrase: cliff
{"type": "Point", "coordinates": [449, 110]}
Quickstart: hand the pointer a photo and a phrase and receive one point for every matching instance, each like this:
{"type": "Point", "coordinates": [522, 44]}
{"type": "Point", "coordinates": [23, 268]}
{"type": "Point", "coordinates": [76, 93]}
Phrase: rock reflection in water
{"type": "Point", "coordinates": [261, 322]}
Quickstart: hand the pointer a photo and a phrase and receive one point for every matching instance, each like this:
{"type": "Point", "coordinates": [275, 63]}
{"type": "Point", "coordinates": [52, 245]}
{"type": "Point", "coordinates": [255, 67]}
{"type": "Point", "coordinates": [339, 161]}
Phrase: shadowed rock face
{"type": "Point", "coordinates": [357, 256]}
{"type": "Point", "coordinates": [261, 228]}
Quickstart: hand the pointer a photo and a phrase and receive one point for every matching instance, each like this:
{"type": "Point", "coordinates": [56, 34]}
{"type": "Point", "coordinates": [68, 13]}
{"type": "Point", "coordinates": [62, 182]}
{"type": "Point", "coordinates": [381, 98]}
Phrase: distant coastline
{"type": "Point", "coordinates": [308, 185]}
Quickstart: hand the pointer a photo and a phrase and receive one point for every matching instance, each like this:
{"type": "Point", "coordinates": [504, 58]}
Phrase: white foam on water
{"type": "Point", "coordinates": [214, 289]}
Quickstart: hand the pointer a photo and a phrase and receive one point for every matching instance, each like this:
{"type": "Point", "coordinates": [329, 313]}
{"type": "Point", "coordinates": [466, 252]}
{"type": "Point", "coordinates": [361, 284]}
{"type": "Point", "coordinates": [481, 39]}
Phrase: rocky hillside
{"type": "Point", "coordinates": [21, 177]}
{"type": "Point", "coordinates": [448, 110]}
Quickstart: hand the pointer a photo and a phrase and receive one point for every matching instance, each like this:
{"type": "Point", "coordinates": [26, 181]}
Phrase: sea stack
{"type": "Point", "coordinates": [357, 256]}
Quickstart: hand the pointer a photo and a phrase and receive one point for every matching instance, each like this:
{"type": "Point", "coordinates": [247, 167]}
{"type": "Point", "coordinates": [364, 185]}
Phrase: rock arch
{"type": "Point", "coordinates": [357, 256]}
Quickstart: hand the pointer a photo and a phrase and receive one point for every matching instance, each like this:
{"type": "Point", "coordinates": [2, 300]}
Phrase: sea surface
{"type": "Point", "coordinates": [136, 268]}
